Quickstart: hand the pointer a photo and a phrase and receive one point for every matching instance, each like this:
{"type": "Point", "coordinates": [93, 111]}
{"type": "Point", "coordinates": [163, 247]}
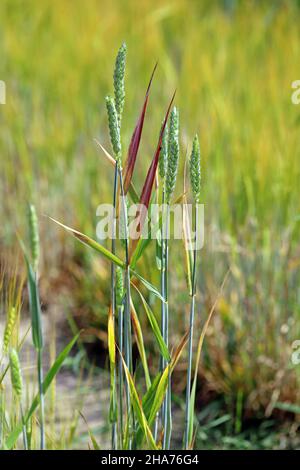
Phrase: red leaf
{"type": "Point", "coordinates": [149, 181]}
{"type": "Point", "coordinates": [135, 140]}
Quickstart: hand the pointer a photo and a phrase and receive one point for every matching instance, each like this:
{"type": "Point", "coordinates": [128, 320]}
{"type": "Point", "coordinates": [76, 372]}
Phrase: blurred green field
{"type": "Point", "coordinates": [232, 64]}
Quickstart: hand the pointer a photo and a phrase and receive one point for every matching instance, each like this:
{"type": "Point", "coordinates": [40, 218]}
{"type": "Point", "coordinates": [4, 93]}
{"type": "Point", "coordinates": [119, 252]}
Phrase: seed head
{"type": "Point", "coordinates": [119, 87]}
{"type": "Point", "coordinates": [33, 236]}
{"type": "Point", "coordinates": [114, 129]}
{"type": "Point", "coordinates": [15, 373]}
{"type": "Point", "coordinates": [163, 158]}
{"type": "Point", "coordinates": [195, 169]}
{"type": "Point", "coordinates": [11, 319]}
{"type": "Point", "coordinates": [173, 154]}
{"type": "Point", "coordinates": [119, 287]}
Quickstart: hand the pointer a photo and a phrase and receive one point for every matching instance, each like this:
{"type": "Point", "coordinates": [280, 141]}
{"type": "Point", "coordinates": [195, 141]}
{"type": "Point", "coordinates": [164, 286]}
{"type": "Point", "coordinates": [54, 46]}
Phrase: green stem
{"type": "Point", "coordinates": [25, 442]}
{"type": "Point", "coordinates": [127, 319]}
{"type": "Point", "coordinates": [190, 340]}
{"type": "Point", "coordinates": [113, 289]}
{"type": "Point", "coordinates": [162, 361]}
{"type": "Point", "coordinates": [167, 412]}
{"type": "Point", "coordinates": [120, 334]}
{"type": "Point", "coordinates": [41, 395]}
{"type": "Point", "coordinates": [163, 293]}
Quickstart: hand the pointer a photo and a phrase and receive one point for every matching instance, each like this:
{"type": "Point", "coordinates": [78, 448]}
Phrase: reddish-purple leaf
{"type": "Point", "coordinates": [149, 181]}
{"type": "Point", "coordinates": [135, 140]}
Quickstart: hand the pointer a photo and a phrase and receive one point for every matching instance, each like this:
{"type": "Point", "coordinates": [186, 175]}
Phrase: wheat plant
{"type": "Point", "coordinates": [146, 419]}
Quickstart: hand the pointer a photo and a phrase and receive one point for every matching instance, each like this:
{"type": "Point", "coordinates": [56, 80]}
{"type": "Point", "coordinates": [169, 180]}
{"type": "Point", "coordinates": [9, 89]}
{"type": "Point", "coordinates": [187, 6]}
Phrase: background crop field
{"type": "Point", "coordinates": [232, 63]}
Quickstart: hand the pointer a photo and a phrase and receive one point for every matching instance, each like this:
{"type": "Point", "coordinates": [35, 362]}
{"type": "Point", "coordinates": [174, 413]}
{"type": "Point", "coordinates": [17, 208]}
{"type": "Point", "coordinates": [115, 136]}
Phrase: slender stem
{"type": "Point", "coordinates": [120, 334]}
{"type": "Point", "coordinates": [162, 289]}
{"type": "Point", "coordinates": [156, 424]}
{"type": "Point", "coordinates": [167, 401]}
{"type": "Point", "coordinates": [127, 320]}
{"type": "Point", "coordinates": [25, 442]}
{"type": "Point", "coordinates": [41, 394]}
{"type": "Point", "coordinates": [190, 340]}
{"type": "Point", "coordinates": [113, 288]}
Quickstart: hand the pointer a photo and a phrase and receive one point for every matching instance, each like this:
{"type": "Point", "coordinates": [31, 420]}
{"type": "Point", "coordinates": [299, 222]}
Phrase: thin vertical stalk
{"type": "Point", "coordinates": [24, 433]}
{"type": "Point", "coordinates": [127, 319]}
{"type": "Point", "coordinates": [162, 362]}
{"type": "Point", "coordinates": [167, 412]}
{"type": "Point", "coordinates": [41, 395]}
{"type": "Point", "coordinates": [162, 169]}
{"type": "Point", "coordinates": [120, 335]}
{"type": "Point", "coordinates": [190, 340]}
{"type": "Point", "coordinates": [113, 287]}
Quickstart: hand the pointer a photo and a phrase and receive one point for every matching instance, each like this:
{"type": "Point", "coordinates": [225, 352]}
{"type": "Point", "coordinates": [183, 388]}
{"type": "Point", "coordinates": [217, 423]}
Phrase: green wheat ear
{"type": "Point", "coordinates": [119, 81]}
{"type": "Point", "coordinates": [15, 373]}
{"type": "Point", "coordinates": [173, 154]}
{"type": "Point", "coordinates": [163, 157]}
{"type": "Point", "coordinates": [33, 236]}
{"type": "Point", "coordinates": [195, 169]}
{"type": "Point", "coordinates": [114, 129]}
{"type": "Point", "coordinates": [11, 319]}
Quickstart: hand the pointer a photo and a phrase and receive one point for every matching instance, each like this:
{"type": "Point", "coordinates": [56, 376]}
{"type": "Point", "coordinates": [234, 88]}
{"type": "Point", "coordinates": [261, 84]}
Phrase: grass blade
{"type": "Point", "coordinates": [138, 408]}
{"type": "Point", "coordinates": [153, 399]}
{"type": "Point", "coordinates": [149, 181]}
{"type": "Point", "coordinates": [150, 287]}
{"type": "Point", "coordinates": [92, 244]}
{"type": "Point", "coordinates": [155, 328]}
{"type": "Point", "coordinates": [140, 344]}
{"type": "Point", "coordinates": [135, 140]}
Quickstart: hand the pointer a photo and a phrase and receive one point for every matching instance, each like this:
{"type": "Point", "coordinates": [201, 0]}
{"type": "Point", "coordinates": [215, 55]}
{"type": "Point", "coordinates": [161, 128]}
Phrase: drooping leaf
{"type": "Point", "coordinates": [155, 327]}
{"type": "Point", "coordinates": [92, 243]}
{"type": "Point", "coordinates": [153, 399]}
{"type": "Point", "coordinates": [138, 409]}
{"type": "Point", "coordinates": [162, 384]}
{"type": "Point", "coordinates": [150, 394]}
{"type": "Point", "coordinates": [150, 287]}
{"type": "Point", "coordinates": [135, 140]}
{"type": "Point", "coordinates": [140, 343]}
{"type": "Point", "coordinates": [149, 181]}
{"type": "Point", "coordinates": [13, 436]}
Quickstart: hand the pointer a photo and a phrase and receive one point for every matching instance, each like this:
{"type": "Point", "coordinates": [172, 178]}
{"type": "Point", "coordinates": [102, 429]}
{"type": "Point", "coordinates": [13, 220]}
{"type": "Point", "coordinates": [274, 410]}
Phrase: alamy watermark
{"type": "Point", "coordinates": [177, 220]}
{"type": "Point", "coordinates": [295, 357]}
{"type": "Point", "coordinates": [2, 92]}
{"type": "Point", "coordinates": [295, 97]}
